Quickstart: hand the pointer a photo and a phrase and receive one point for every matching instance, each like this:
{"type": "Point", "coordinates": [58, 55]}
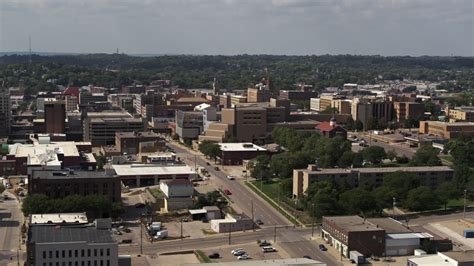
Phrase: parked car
{"type": "Point", "coordinates": [307, 257]}
{"type": "Point", "coordinates": [126, 241]}
{"type": "Point", "coordinates": [239, 253]}
{"type": "Point", "coordinates": [236, 250]}
{"type": "Point", "coordinates": [208, 163]}
{"type": "Point", "coordinates": [268, 249]}
{"type": "Point", "coordinates": [230, 177]}
{"type": "Point", "coordinates": [227, 192]}
{"type": "Point", "coordinates": [214, 255]}
{"type": "Point", "coordinates": [264, 243]}
{"type": "Point", "coordinates": [216, 168]}
{"type": "Point", "coordinates": [259, 222]}
{"type": "Point", "coordinates": [243, 257]}
{"type": "Point", "coordinates": [322, 247]}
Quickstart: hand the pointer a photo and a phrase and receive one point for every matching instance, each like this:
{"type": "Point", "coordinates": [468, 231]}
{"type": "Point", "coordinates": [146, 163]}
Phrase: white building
{"type": "Point", "coordinates": [450, 258]}
{"type": "Point", "coordinates": [314, 104]}
{"type": "Point", "coordinates": [178, 194]}
{"type": "Point", "coordinates": [233, 223]}
{"type": "Point", "coordinates": [151, 174]}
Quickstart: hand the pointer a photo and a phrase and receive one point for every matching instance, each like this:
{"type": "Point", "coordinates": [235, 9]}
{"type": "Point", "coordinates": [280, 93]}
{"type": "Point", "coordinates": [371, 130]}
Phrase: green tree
{"type": "Point", "coordinates": [210, 149]}
{"type": "Point", "coordinates": [346, 159]}
{"type": "Point", "coordinates": [357, 201]}
{"type": "Point", "coordinates": [384, 197]}
{"type": "Point", "coordinates": [401, 182]}
{"type": "Point", "coordinates": [391, 155]}
{"type": "Point", "coordinates": [101, 161]}
{"type": "Point", "coordinates": [323, 199]}
{"type": "Point", "coordinates": [350, 123]}
{"type": "Point", "coordinates": [358, 125]}
{"type": "Point", "coordinates": [2, 188]}
{"type": "Point", "coordinates": [329, 110]}
{"type": "Point", "coordinates": [260, 167]}
{"type": "Point", "coordinates": [421, 199]}
{"type": "Point", "coordinates": [445, 192]}
{"type": "Point", "coordinates": [374, 154]}
{"type": "Point", "coordinates": [425, 156]}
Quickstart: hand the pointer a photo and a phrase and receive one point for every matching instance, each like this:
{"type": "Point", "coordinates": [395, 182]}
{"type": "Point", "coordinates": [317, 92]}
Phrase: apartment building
{"type": "Point", "coordinates": [86, 97]}
{"type": "Point", "coordinates": [355, 177]}
{"type": "Point", "coordinates": [237, 99]}
{"type": "Point", "coordinates": [445, 129]}
{"type": "Point", "coordinates": [189, 124]}
{"type": "Point", "coordinates": [63, 183]}
{"type": "Point", "coordinates": [5, 112]}
{"type": "Point", "coordinates": [342, 106]}
{"type": "Point", "coordinates": [366, 110]}
{"type": "Point", "coordinates": [325, 101]}
{"type": "Point", "coordinates": [408, 110]}
{"type": "Point", "coordinates": [55, 116]}
{"type": "Point", "coordinates": [100, 127]}
{"type": "Point", "coordinates": [315, 104]}
{"type": "Point", "coordinates": [460, 114]}
{"type": "Point", "coordinates": [303, 94]}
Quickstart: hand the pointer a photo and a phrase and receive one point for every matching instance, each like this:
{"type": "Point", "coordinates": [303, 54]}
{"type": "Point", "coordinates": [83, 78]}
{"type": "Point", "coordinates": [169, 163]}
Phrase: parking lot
{"type": "Point", "coordinates": [191, 229]}
{"type": "Point", "coordinates": [253, 251]}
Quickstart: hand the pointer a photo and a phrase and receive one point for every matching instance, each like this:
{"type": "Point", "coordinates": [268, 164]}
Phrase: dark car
{"type": "Point", "coordinates": [307, 257]}
{"type": "Point", "coordinates": [322, 247]}
{"type": "Point", "coordinates": [259, 222]}
{"type": "Point", "coordinates": [214, 255]}
{"type": "Point", "coordinates": [208, 163]}
{"type": "Point", "coordinates": [139, 205]}
{"type": "Point", "coordinates": [216, 168]}
{"type": "Point", "coordinates": [264, 243]}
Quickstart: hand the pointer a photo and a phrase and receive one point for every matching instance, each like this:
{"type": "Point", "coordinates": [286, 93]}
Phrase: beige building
{"type": "Point", "coordinates": [445, 129]}
{"type": "Point", "coordinates": [343, 106]}
{"type": "Point", "coordinates": [237, 99]}
{"type": "Point", "coordinates": [355, 177]}
{"type": "Point", "coordinates": [325, 101]}
{"type": "Point", "coordinates": [406, 110]}
{"type": "Point", "coordinates": [464, 114]}
{"type": "Point", "coordinates": [257, 95]}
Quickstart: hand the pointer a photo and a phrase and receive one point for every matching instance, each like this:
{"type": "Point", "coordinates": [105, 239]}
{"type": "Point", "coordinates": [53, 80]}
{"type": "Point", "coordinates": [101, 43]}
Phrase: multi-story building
{"type": "Point", "coordinates": [62, 183]}
{"type": "Point", "coordinates": [325, 101]}
{"type": "Point", "coordinates": [348, 233]}
{"type": "Point", "coordinates": [72, 103]}
{"type": "Point", "coordinates": [100, 127]}
{"type": "Point", "coordinates": [70, 245]}
{"type": "Point", "coordinates": [315, 104]}
{"type": "Point", "coordinates": [450, 258]}
{"type": "Point", "coordinates": [178, 194]}
{"type": "Point", "coordinates": [460, 114]}
{"type": "Point", "coordinates": [366, 110]}
{"type": "Point", "coordinates": [356, 177]}
{"type": "Point", "coordinates": [408, 110]}
{"type": "Point", "coordinates": [5, 112]}
{"type": "Point", "coordinates": [189, 124]}
{"type": "Point", "coordinates": [237, 99]}
{"type": "Point", "coordinates": [446, 130]}
{"type": "Point", "coordinates": [137, 142]}
{"type": "Point", "coordinates": [257, 95]}
{"type": "Point", "coordinates": [303, 93]}
{"type": "Point", "coordinates": [342, 106]}
{"type": "Point", "coordinates": [86, 97]}
{"type": "Point", "coordinates": [224, 100]}
{"type": "Point", "coordinates": [55, 116]}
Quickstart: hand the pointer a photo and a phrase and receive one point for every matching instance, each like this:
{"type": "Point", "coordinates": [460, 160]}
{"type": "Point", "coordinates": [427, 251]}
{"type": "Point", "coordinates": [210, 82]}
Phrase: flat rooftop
{"type": "Point", "coordinates": [68, 148]}
{"type": "Point", "coordinates": [59, 218]}
{"type": "Point", "coordinates": [66, 234]}
{"type": "Point", "coordinates": [390, 225]}
{"type": "Point", "coordinates": [152, 169]}
{"type": "Point", "coordinates": [108, 114]}
{"type": "Point", "coordinates": [136, 134]}
{"type": "Point", "coordinates": [64, 174]}
{"type": "Point", "coordinates": [352, 223]}
{"type": "Point", "coordinates": [244, 146]}
{"type": "Point", "coordinates": [461, 256]}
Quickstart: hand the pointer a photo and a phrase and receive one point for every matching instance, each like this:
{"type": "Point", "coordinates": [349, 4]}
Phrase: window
{"type": "Point", "coordinates": [70, 263]}
{"type": "Point", "coordinates": [64, 253]}
{"type": "Point", "coordinates": [44, 254]}
{"type": "Point", "coordinates": [108, 252]}
{"type": "Point", "coordinates": [57, 253]}
{"type": "Point", "coordinates": [101, 263]}
{"type": "Point", "coordinates": [82, 253]}
{"type": "Point", "coordinates": [95, 263]}
{"type": "Point", "coordinates": [108, 262]}
{"type": "Point", "coordinates": [50, 254]}
{"type": "Point", "coordinates": [95, 252]}
{"type": "Point", "coordinates": [88, 253]}
{"type": "Point", "coordinates": [76, 252]}
{"type": "Point", "coordinates": [70, 253]}
{"type": "Point", "coordinates": [44, 263]}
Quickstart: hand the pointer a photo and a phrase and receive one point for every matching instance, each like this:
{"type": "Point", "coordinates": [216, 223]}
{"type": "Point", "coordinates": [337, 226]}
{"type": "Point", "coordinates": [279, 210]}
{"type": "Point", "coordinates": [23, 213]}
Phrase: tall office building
{"type": "Point", "coordinates": [5, 112]}
{"type": "Point", "coordinates": [55, 116]}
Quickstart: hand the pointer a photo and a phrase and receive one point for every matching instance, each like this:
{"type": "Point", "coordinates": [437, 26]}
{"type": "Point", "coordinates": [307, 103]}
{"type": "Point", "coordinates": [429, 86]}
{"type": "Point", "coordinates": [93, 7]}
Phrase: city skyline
{"type": "Point", "coordinates": [228, 27]}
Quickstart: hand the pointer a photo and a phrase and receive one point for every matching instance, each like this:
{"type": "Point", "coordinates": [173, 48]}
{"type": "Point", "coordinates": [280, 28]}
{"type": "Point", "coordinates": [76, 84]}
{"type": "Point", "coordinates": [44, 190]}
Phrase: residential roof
{"type": "Point", "coordinates": [243, 146]}
{"type": "Point", "coordinates": [352, 223]}
{"type": "Point", "coordinates": [326, 126]}
{"type": "Point", "coordinates": [59, 218]}
{"type": "Point", "coordinates": [64, 234]}
{"type": "Point", "coordinates": [152, 169]}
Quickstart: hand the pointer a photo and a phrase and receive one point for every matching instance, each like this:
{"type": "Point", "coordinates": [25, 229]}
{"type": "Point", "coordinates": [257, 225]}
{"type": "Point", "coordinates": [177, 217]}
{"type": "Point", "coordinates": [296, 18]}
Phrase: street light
{"type": "Point", "coordinates": [465, 201]}
{"type": "Point", "coordinates": [394, 204]}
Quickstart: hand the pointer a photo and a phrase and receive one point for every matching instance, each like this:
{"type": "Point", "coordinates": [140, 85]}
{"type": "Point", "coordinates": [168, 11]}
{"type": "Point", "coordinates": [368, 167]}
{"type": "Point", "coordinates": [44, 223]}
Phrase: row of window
{"type": "Point", "coordinates": [70, 253]}
{"type": "Point", "coordinates": [82, 263]}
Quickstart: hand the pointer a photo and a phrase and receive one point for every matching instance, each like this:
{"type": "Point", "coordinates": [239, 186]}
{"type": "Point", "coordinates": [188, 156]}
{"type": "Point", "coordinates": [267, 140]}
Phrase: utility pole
{"type": "Point", "coordinates": [195, 162]}
{"type": "Point", "coordinates": [253, 221]}
{"type": "Point", "coordinates": [312, 215]}
{"type": "Point", "coordinates": [141, 235]}
{"type": "Point", "coordinates": [230, 230]}
{"type": "Point", "coordinates": [275, 234]}
{"type": "Point", "coordinates": [181, 229]}
{"type": "Point", "coordinates": [394, 204]}
{"type": "Point", "coordinates": [465, 201]}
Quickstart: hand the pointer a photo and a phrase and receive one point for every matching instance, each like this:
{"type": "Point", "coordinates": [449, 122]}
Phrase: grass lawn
{"type": "Point", "coordinates": [458, 203]}
{"type": "Point", "coordinates": [272, 190]}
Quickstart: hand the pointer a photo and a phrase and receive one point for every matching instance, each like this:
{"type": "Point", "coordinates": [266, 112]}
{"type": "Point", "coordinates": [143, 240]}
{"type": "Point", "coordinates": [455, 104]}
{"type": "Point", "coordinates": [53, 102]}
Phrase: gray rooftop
{"type": "Point", "coordinates": [65, 174]}
{"type": "Point", "coordinates": [352, 223]}
{"type": "Point", "coordinates": [58, 234]}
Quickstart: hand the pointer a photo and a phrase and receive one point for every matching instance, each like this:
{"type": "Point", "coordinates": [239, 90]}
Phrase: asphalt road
{"type": "Point", "coordinates": [400, 149]}
{"type": "Point", "coordinates": [295, 241]}
{"type": "Point", "coordinates": [10, 222]}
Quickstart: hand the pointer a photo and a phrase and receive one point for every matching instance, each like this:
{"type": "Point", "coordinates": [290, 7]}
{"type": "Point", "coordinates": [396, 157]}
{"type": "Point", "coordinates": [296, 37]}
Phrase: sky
{"type": "Point", "coordinates": [292, 27]}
